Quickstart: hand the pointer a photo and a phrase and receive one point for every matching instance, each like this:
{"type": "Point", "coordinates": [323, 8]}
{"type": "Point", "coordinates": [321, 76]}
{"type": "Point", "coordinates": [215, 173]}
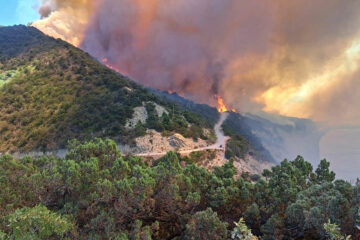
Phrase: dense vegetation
{"type": "Point", "coordinates": [51, 92]}
{"type": "Point", "coordinates": [95, 193]}
{"type": "Point", "coordinates": [242, 140]}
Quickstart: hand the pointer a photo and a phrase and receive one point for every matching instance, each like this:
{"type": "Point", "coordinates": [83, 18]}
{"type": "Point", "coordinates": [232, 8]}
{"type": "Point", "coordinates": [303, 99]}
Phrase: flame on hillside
{"type": "Point", "coordinates": [246, 49]}
{"type": "Point", "coordinates": [106, 63]}
{"type": "Point", "coordinates": [222, 107]}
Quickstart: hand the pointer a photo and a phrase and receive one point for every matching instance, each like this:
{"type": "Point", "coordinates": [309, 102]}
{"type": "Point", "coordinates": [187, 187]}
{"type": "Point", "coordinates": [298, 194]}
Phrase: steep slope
{"type": "Point", "coordinates": [244, 145]}
{"type": "Point", "coordinates": [51, 92]}
{"type": "Point", "coordinates": [286, 137]}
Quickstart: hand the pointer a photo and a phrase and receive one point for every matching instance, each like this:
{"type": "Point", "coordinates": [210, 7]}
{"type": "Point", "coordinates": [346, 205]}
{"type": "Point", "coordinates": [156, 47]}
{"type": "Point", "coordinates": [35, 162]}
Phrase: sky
{"type": "Point", "coordinates": [18, 12]}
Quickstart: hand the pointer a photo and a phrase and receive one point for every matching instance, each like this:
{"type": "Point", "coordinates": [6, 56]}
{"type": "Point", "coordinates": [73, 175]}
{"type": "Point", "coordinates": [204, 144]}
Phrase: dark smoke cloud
{"type": "Point", "coordinates": [298, 58]}
{"type": "Point", "coordinates": [45, 11]}
{"type": "Point", "coordinates": [184, 46]}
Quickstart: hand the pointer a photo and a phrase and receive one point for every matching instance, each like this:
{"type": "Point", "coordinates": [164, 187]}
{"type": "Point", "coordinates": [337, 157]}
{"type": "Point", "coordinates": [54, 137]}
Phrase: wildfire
{"type": "Point", "coordinates": [222, 107]}
{"type": "Point", "coordinates": [106, 63]}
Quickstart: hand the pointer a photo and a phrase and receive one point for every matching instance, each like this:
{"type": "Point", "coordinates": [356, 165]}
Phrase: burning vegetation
{"type": "Point", "coordinates": [222, 107]}
{"type": "Point", "coordinates": [106, 63]}
{"type": "Point", "coordinates": [243, 47]}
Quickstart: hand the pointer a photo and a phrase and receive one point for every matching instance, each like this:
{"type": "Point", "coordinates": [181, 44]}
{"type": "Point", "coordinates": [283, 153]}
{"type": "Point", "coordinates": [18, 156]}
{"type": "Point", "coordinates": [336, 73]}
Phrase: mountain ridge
{"type": "Point", "coordinates": [52, 92]}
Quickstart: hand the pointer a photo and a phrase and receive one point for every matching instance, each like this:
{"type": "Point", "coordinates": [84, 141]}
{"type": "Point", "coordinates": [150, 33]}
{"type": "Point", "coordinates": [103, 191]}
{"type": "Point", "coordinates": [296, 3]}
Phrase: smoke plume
{"type": "Point", "coordinates": [298, 58]}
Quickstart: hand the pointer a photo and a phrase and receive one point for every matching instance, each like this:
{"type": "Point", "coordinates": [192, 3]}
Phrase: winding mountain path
{"type": "Point", "coordinates": [219, 145]}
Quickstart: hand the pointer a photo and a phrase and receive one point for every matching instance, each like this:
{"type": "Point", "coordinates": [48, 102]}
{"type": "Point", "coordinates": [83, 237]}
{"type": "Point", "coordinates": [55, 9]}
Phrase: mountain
{"type": "Point", "coordinates": [244, 143]}
{"type": "Point", "coordinates": [286, 137]}
{"type": "Point", "coordinates": [51, 92]}
{"type": "Point", "coordinates": [270, 137]}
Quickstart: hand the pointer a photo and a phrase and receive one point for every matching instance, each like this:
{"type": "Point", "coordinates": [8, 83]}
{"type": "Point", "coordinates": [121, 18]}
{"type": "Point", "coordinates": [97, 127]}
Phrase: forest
{"type": "Point", "coordinates": [96, 193]}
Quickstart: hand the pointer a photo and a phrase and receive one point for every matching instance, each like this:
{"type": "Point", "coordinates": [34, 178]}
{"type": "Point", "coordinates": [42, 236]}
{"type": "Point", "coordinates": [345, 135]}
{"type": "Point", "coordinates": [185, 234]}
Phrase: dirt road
{"type": "Point", "coordinates": [219, 145]}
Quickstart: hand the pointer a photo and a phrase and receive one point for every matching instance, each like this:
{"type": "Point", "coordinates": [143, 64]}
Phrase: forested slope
{"type": "Point", "coordinates": [95, 193]}
{"type": "Point", "coordinates": [51, 92]}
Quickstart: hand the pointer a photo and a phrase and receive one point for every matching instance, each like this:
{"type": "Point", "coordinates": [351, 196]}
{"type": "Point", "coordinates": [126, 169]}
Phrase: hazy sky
{"type": "Point", "coordinates": [18, 11]}
{"type": "Point", "coordinates": [298, 58]}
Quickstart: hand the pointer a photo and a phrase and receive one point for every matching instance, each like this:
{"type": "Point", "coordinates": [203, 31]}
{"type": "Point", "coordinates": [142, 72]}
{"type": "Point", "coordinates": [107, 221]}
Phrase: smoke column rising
{"type": "Point", "coordinates": [298, 58]}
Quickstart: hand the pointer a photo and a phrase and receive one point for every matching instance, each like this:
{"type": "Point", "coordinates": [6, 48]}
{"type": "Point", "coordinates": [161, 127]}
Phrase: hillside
{"type": "Point", "coordinates": [244, 144]}
{"type": "Point", "coordinates": [51, 92]}
{"type": "Point", "coordinates": [96, 193]}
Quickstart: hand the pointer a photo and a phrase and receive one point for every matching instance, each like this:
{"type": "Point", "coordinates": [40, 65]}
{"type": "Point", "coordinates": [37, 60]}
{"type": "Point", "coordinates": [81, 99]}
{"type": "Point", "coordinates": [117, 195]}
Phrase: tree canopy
{"type": "Point", "coordinates": [96, 193]}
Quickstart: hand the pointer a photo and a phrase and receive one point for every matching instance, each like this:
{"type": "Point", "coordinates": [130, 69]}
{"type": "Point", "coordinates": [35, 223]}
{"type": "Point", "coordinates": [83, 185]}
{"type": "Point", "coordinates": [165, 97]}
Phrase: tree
{"type": "Point", "coordinates": [287, 180]}
{"type": "Point", "coordinates": [323, 173]}
{"type": "Point", "coordinates": [266, 173]}
{"type": "Point", "coordinates": [242, 232]}
{"type": "Point", "coordinates": [314, 206]}
{"type": "Point", "coordinates": [333, 232]}
{"type": "Point", "coordinates": [108, 196]}
{"type": "Point", "coordinates": [273, 229]}
{"type": "Point", "coordinates": [357, 219]}
{"type": "Point", "coordinates": [38, 223]}
{"type": "Point", "coordinates": [140, 232]}
{"type": "Point", "coordinates": [252, 216]}
{"type": "Point", "coordinates": [205, 225]}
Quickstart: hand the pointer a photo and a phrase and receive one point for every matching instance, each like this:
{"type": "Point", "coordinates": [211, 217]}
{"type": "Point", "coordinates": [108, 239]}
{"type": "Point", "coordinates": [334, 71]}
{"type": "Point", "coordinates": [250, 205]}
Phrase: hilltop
{"type": "Point", "coordinates": [51, 92]}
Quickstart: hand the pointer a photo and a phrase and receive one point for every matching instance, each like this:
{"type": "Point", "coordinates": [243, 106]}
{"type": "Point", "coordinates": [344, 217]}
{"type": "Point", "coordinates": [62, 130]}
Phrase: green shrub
{"type": "Point", "coordinates": [38, 223]}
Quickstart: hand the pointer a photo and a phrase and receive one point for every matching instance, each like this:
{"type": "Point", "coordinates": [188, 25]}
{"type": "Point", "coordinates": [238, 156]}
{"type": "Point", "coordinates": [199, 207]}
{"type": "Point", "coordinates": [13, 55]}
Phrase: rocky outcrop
{"type": "Point", "coordinates": [155, 142]}
{"type": "Point", "coordinates": [140, 115]}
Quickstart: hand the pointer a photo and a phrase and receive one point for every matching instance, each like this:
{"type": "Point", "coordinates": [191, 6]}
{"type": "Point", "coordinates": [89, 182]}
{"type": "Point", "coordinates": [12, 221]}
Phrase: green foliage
{"type": "Point", "coordinates": [274, 227]}
{"type": "Point", "coordinates": [243, 140]}
{"type": "Point", "coordinates": [140, 130]}
{"type": "Point", "coordinates": [333, 232]}
{"type": "Point", "coordinates": [252, 216]}
{"type": "Point", "coordinates": [51, 92]}
{"type": "Point", "coordinates": [241, 231]}
{"type": "Point", "coordinates": [20, 183]}
{"type": "Point", "coordinates": [237, 146]}
{"type": "Point", "coordinates": [323, 173]}
{"type": "Point", "coordinates": [317, 204]}
{"type": "Point", "coordinates": [140, 232]}
{"type": "Point", "coordinates": [107, 196]}
{"type": "Point", "coordinates": [205, 225]}
{"type": "Point", "coordinates": [196, 157]}
{"type": "Point", "coordinates": [357, 219]}
{"type": "Point", "coordinates": [38, 223]}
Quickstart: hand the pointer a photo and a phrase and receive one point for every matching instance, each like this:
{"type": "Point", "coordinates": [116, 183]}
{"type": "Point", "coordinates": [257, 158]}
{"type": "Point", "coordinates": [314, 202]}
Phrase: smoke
{"type": "Point", "coordinates": [66, 19]}
{"type": "Point", "coordinates": [297, 58]}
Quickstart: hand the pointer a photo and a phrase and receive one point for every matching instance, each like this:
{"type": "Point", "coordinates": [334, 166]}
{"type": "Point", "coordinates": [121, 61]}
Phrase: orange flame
{"type": "Point", "coordinates": [222, 107]}
{"type": "Point", "coordinates": [106, 63]}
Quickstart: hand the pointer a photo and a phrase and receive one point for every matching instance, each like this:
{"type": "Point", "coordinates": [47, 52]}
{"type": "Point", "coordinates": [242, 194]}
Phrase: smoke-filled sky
{"type": "Point", "coordinates": [297, 58]}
